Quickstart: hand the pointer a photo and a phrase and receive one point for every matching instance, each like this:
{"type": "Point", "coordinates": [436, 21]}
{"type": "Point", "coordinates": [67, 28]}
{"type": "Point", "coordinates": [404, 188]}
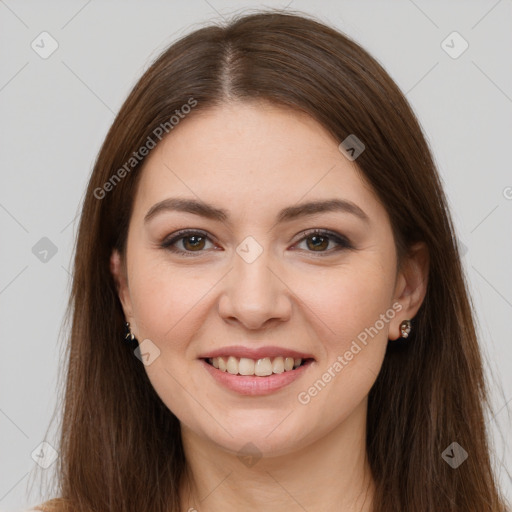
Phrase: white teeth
{"type": "Point", "coordinates": [246, 366]}
{"type": "Point", "coordinates": [232, 365]}
{"type": "Point", "coordinates": [278, 365]}
{"type": "Point", "coordinates": [288, 364]}
{"type": "Point", "coordinates": [261, 367]}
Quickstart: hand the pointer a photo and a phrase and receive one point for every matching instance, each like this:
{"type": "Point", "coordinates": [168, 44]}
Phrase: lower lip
{"type": "Point", "coordinates": [253, 385]}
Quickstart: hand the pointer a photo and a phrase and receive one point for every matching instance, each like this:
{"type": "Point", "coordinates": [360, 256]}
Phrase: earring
{"type": "Point", "coordinates": [129, 336]}
{"type": "Point", "coordinates": [405, 328]}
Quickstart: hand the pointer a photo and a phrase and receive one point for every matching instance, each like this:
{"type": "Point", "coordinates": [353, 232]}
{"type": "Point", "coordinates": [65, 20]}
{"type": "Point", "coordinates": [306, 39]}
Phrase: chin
{"type": "Point", "coordinates": [257, 438]}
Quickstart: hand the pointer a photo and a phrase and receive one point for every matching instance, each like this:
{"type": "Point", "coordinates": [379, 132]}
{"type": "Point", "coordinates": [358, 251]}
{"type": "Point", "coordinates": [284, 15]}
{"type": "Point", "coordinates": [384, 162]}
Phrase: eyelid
{"type": "Point", "coordinates": [168, 242]}
{"type": "Point", "coordinates": [341, 240]}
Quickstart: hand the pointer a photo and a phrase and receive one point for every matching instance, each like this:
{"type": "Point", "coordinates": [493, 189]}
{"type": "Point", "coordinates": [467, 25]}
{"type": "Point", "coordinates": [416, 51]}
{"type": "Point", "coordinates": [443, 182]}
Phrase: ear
{"type": "Point", "coordinates": [411, 286]}
{"type": "Point", "coordinates": [118, 270]}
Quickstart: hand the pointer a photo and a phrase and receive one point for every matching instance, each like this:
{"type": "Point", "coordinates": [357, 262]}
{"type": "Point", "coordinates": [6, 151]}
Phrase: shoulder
{"type": "Point", "coordinates": [53, 505]}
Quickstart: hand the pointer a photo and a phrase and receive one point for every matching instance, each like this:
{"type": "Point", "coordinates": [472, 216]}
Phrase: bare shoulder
{"type": "Point", "coordinates": [53, 505]}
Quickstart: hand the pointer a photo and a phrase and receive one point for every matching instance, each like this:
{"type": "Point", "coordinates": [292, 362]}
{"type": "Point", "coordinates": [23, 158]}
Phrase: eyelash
{"type": "Point", "coordinates": [342, 242]}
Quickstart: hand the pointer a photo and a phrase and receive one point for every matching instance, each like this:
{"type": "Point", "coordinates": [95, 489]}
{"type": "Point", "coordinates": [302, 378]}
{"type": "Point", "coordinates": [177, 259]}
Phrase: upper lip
{"type": "Point", "coordinates": [255, 353]}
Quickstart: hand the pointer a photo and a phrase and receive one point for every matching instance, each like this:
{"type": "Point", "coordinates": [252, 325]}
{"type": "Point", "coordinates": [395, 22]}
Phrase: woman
{"type": "Point", "coordinates": [268, 306]}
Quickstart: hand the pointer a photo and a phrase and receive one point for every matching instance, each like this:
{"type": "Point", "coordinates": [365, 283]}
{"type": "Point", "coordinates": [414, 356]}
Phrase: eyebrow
{"type": "Point", "coordinates": [286, 214]}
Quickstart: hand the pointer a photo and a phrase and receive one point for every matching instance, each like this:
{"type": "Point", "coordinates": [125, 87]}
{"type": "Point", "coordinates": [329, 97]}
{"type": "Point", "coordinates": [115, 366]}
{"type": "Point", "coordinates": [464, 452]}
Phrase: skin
{"type": "Point", "coordinates": [253, 159]}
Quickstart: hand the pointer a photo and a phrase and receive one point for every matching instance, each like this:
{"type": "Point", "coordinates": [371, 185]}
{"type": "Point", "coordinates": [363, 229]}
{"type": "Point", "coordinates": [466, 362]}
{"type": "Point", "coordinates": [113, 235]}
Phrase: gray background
{"type": "Point", "coordinates": [56, 111]}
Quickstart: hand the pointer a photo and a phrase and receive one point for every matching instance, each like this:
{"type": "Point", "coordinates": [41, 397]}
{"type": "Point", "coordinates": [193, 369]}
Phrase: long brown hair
{"type": "Point", "coordinates": [120, 446]}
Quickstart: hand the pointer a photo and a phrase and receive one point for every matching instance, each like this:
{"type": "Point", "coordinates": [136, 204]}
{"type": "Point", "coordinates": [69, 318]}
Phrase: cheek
{"type": "Point", "coordinates": [348, 299]}
{"type": "Point", "coordinates": [352, 329]}
{"type": "Point", "coordinates": [165, 301]}
{"type": "Point", "coordinates": [171, 304]}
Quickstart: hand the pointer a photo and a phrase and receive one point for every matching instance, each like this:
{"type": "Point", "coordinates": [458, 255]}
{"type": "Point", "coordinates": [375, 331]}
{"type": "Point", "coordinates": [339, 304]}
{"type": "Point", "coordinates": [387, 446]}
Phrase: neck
{"type": "Point", "coordinates": [330, 474]}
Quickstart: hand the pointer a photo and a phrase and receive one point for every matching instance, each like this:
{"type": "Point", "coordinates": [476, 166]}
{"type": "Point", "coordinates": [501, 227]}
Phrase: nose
{"type": "Point", "coordinates": [254, 294]}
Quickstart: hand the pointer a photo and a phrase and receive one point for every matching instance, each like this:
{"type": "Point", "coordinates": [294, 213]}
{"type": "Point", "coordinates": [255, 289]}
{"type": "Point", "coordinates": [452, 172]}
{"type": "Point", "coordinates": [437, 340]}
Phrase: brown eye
{"type": "Point", "coordinates": [194, 242]}
{"type": "Point", "coordinates": [318, 240]}
{"type": "Point", "coordinates": [191, 242]}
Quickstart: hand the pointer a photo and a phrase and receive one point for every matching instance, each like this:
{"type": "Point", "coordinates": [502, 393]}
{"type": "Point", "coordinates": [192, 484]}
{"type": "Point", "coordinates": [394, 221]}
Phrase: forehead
{"type": "Point", "coordinates": [255, 156]}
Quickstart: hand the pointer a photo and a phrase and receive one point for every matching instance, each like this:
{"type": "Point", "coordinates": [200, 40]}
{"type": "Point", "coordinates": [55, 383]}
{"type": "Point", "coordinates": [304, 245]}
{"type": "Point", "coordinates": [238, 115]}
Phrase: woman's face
{"type": "Point", "coordinates": [250, 281]}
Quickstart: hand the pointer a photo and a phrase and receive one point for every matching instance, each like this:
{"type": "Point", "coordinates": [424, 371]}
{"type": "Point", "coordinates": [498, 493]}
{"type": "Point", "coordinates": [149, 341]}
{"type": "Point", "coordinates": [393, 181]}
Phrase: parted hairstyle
{"type": "Point", "coordinates": [120, 446]}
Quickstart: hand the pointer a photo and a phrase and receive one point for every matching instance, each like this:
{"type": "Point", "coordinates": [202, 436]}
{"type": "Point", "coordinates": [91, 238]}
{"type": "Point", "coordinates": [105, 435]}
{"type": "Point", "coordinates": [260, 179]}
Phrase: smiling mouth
{"type": "Point", "coordinates": [263, 367]}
